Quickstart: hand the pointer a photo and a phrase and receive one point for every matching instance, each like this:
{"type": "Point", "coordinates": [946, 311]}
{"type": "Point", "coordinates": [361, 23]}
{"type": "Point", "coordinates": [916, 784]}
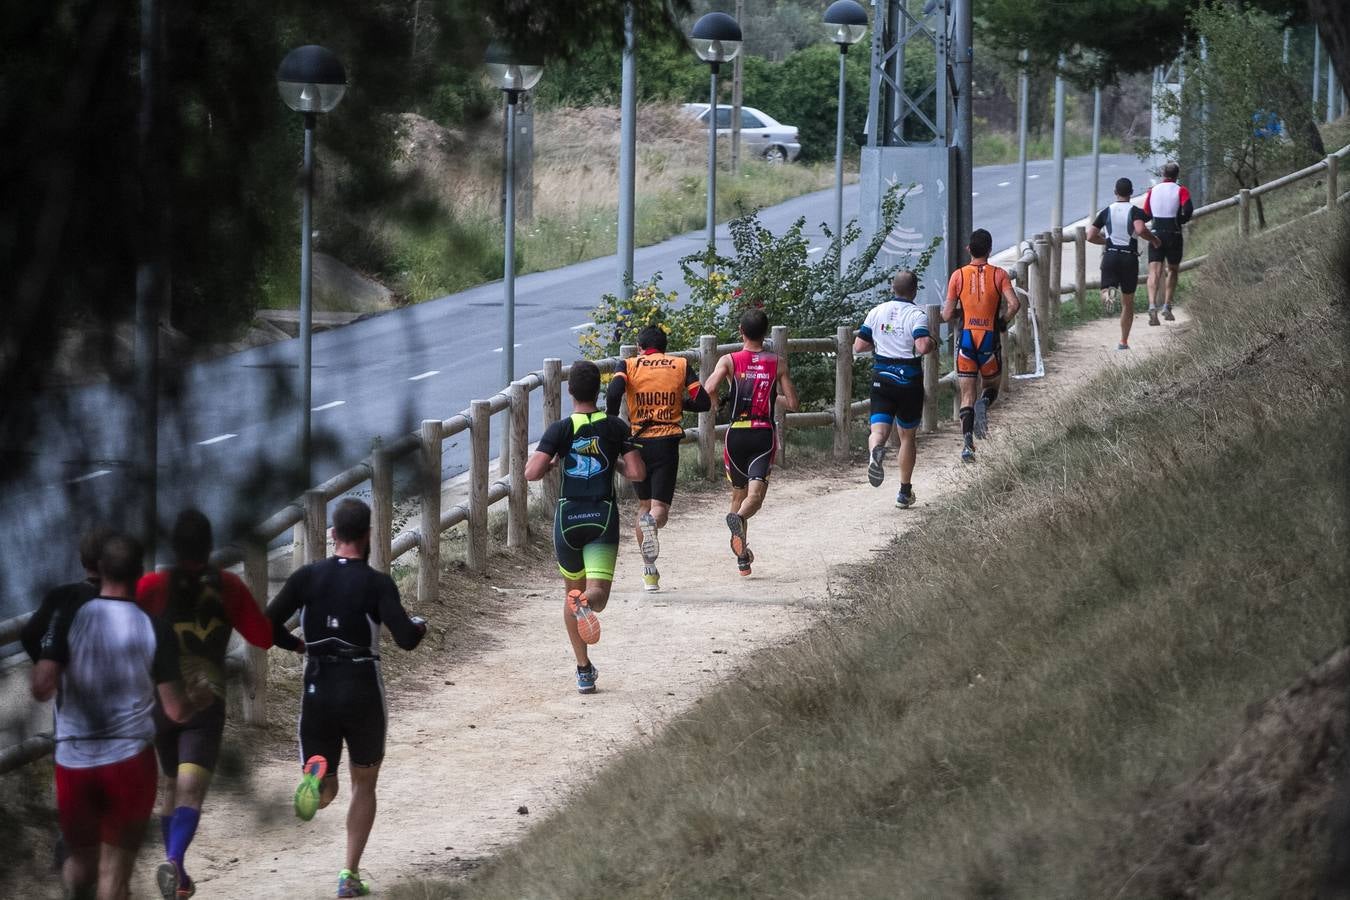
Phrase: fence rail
{"type": "Point", "coordinates": [1037, 273]}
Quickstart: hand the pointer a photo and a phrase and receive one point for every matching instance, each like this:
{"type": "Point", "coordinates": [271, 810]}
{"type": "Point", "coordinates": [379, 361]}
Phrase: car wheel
{"type": "Point", "coordinates": [775, 154]}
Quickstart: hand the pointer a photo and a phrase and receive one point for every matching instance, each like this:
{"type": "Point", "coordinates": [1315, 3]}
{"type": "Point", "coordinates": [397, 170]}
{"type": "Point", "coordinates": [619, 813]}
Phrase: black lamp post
{"type": "Point", "coordinates": [845, 23]}
{"type": "Point", "coordinates": [716, 39]}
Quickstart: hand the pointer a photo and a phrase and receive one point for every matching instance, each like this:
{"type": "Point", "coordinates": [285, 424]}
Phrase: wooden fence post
{"type": "Point", "coordinates": [1056, 269]}
{"type": "Point", "coordinates": [552, 412]}
{"type": "Point", "coordinates": [504, 451]}
{"type": "Point", "coordinates": [298, 544]}
{"type": "Point", "coordinates": [843, 389]}
{"type": "Point", "coordinates": [1080, 269]}
{"type": "Point", "coordinates": [518, 501]}
{"type": "Point", "coordinates": [316, 526]}
{"type": "Point", "coordinates": [1042, 295]}
{"type": "Point", "coordinates": [255, 658]}
{"type": "Point", "coordinates": [1333, 190]}
{"type": "Point", "coordinates": [779, 336]}
{"type": "Point", "coordinates": [931, 370]}
{"type": "Point", "coordinates": [626, 351]}
{"type": "Point", "coordinates": [1022, 346]}
{"type": "Point", "coordinates": [954, 328]}
{"type": "Point", "coordinates": [479, 423]}
{"type": "Point", "coordinates": [707, 421]}
{"type": "Point", "coordinates": [1244, 213]}
{"type": "Point", "coordinates": [381, 509]}
{"type": "Point", "coordinates": [429, 530]}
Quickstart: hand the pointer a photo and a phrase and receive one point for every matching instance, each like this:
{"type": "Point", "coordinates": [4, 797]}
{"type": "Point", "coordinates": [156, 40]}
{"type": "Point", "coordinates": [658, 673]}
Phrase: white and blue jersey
{"type": "Point", "coordinates": [892, 328]}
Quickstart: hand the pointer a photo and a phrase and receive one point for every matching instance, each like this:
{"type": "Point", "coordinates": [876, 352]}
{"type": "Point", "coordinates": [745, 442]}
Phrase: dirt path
{"type": "Point", "coordinates": [472, 740]}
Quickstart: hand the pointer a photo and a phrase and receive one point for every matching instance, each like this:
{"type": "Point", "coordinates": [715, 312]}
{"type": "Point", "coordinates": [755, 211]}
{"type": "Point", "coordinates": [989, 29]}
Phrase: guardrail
{"type": "Point", "coordinates": [1037, 273]}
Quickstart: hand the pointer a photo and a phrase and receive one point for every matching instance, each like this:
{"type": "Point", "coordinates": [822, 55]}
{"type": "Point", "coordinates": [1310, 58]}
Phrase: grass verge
{"type": "Point", "coordinates": [994, 148]}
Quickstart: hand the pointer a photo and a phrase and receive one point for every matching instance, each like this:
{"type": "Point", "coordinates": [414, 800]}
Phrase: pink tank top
{"type": "Point", "coordinates": [753, 388]}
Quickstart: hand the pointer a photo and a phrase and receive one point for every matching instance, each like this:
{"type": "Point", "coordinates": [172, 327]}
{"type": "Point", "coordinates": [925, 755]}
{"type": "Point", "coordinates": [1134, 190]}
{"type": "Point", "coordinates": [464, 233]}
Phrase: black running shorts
{"type": "Point", "coordinates": [586, 538]}
{"type": "Point", "coordinates": [895, 402]}
{"type": "Point", "coordinates": [195, 742]}
{"type": "Point", "coordinates": [343, 701]}
{"type": "Point", "coordinates": [1120, 269]}
{"type": "Point", "coordinates": [662, 458]}
{"type": "Point", "coordinates": [748, 453]}
{"type": "Point", "coordinates": [1170, 251]}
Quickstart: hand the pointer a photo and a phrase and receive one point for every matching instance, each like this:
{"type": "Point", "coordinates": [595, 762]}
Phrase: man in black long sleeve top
{"type": "Point", "coordinates": [342, 604]}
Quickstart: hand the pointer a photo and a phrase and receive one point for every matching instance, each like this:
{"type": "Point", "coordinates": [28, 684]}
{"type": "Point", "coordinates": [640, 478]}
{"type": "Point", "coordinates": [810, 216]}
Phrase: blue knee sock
{"type": "Point", "coordinates": [181, 831]}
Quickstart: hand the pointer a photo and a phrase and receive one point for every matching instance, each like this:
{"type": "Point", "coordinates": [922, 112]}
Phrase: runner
{"type": "Point", "coordinates": [1116, 228]}
{"type": "Point", "coordinates": [897, 331]}
{"type": "Point", "coordinates": [659, 390]}
{"type": "Point", "coordinates": [1169, 206]}
{"type": "Point", "coordinates": [342, 603]}
{"type": "Point", "coordinates": [591, 446]}
{"type": "Point", "coordinates": [757, 379]}
{"type": "Point", "coordinates": [106, 669]}
{"type": "Point", "coordinates": [200, 605]}
{"type": "Point", "coordinates": [977, 288]}
{"type": "Point", "coordinates": [60, 604]}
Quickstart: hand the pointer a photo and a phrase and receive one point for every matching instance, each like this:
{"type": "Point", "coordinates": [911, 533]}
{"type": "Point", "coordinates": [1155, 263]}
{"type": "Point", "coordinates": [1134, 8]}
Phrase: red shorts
{"type": "Point", "coordinates": [107, 804]}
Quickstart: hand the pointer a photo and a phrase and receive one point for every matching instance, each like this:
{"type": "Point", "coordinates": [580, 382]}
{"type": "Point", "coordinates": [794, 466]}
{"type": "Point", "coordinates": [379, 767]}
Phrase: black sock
{"type": "Point", "coordinates": [990, 395]}
{"type": "Point", "coordinates": [581, 670]}
{"type": "Point", "coordinates": [967, 420]}
{"type": "Point", "coordinates": [905, 488]}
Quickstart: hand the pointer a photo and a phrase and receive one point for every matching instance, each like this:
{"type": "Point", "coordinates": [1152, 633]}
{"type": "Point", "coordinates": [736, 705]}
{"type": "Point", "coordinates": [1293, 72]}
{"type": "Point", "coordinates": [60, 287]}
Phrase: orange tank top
{"type": "Point", "coordinates": [979, 288]}
{"type": "Point", "coordinates": [654, 386]}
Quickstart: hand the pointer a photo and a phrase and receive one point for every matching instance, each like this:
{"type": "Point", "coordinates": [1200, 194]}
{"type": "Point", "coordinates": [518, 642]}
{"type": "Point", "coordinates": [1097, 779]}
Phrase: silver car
{"type": "Point", "coordinates": [760, 132]}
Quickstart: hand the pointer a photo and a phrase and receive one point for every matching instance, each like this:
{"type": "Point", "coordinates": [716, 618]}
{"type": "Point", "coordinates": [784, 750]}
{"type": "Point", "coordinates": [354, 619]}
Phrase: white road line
{"type": "Point", "coordinates": [815, 250]}
{"type": "Point", "coordinates": [974, 193]}
{"type": "Point", "coordinates": [333, 405]}
{"type": "Point", "coordinates": [216, 440]}
{"type": "Point", "coordinates": [426, 374]}
{"type": "Point", "coordinates": [1029, 177]}
{"type": "Point", "coordinates": [97, 473]}
{"type": "Point", "coordinates": [582, 327]}
{"type": "Point", "coordinates": [499, 349]}
{"type": "Point", "coordinates": [1004, 183]}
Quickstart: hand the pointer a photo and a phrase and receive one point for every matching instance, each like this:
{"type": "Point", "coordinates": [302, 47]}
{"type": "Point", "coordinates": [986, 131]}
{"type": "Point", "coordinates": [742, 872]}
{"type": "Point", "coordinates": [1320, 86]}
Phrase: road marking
{"type": "Point", "coordinates": [426, 374]}
{"type": "Point", "coordinates": [1029, 177]}
{"type": "Point", "coordinates": [974, 193]}
{"type": "Point", "coordinates": [815, 250]}
{"type": "Point", "coordinates": [1004, 183]}
{"type": "Point", "coordinates": [97, 473]}
{"type": "Point", "coordinates": [215, 440]}
{"type": "Point", "coordinates": [334, 404]}
{"type": "Point", "coordinates": [582, 327]}
{"type": "Point", "coordinates": [499, 349]}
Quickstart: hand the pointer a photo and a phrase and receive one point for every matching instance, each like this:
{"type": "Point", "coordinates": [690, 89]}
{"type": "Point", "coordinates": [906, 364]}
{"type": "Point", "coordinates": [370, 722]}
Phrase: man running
{"type": "Point", "coordinates": [342, 603]}
{"type": "Point", "coordinates": [59, 605]}
{"type": "Point", "coordinates": [106, 670]}
{"type": "Point", "coordinates": [897, 332]}
{"type": "Point", "coordinates": [591, 446]}
{"type": "Point", "coordinates": [659, 390]}
{"type": "Point", "coordinates": [200, 605]}
{"type": "Point", "coordinates": [1116, 228]}
{"type": "Point", "coordinates": [1169, 206]}
{"type": "Point", "coordinates": [977, 288]}
{"type": "Point", "coordinates": [757, 380]}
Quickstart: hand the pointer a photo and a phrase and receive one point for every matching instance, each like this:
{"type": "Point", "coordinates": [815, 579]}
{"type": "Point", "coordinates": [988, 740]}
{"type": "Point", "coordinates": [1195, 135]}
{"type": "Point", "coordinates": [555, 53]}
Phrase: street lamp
{"type": "Point", "coordinates": [311, 80]}
{"type": "Point", "coordinates": [514, 73]}
{"type": "Point", "coordinates": [845, 23]}
{"type": "Point", "coordinates": [716, 39]}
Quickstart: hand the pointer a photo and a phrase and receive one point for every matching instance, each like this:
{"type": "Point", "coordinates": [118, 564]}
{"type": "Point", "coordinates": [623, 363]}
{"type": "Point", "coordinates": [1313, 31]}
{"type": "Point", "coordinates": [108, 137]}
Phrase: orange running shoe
{"type": "Point", "coordinates": [588, 624]}
{"type": "Point", "coordinates": [736, 525]}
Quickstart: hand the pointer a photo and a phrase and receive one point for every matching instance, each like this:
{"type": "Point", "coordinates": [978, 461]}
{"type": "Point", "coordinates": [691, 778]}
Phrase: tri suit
{"type": "Point", "coordinates": [658, 388]}
{"type": "Point", "coordinates": [897, 368]}
{"type": "Point", "coordinates": [752, 439]}
{"type": "Point", "coordinates": [586, 521]}
{"type": "Point", "coordinates": [342, 604]}
{"type": "Point", "coordinates": [1120, 257]}
{"type": "Point", "coordinates": [1169, 206]}
{"type": "Point", "coordinates": [979, 288]}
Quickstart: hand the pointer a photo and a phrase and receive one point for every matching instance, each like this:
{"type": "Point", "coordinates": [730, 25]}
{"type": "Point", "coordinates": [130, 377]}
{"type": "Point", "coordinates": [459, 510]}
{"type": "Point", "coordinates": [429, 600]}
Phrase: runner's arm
{"type": "Point", "coordinates": [243, 612]}
{"type": "Point", "coordinates": [284, 605]}
{"type": "Point", "coordinates": [1142, 231]}
{"type": "Point", "coordinates": [546, 451]}
{"type": "Point", "coordinates": [1187, 208]}
{"type": "Point", "coordinates": [406, 633]}
{"type": "Point", "coordinates": [36, 626]}
{"type": "Point", "coordinates": [786, 388]}
{"type": "Point", "coordinates": [46, 676]}
{"type": "Point", "coordinates": [53, 654]}
{"type": "Point", "coordinates": [1009, 296]}
{"type": "Point", "coordinates": [719, 373]}
{"type": "Point", "coordinates": [165, 671]}
{"type": "Point", "coordinates": [863, 343]}
{"type": "Point", "coordinates": [632, 466]}
{"type": "Point", "coordinates": [1094, 231]}
{"type": "Point", "coordinates": [696, 399]}
{"type": "Point", "coordinates": [614, 394]}
{"type": "Point", "coordinates": [953, 293]}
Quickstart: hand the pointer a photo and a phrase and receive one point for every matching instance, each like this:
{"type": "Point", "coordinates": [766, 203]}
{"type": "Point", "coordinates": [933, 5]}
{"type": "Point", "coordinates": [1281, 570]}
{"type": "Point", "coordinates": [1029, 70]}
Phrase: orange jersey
{"type": "Point", "coordinates": [655, 386]}
{"type": "Point", "coordinates": [978, 288]}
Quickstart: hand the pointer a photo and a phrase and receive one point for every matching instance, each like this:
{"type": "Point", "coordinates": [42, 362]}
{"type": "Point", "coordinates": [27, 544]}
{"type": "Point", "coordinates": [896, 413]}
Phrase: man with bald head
{"type": "Point", "coordinates": [897, 332]}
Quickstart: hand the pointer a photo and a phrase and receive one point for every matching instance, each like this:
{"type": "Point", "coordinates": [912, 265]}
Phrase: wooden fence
{"type": "Point", "coordinates": [1037, 273]}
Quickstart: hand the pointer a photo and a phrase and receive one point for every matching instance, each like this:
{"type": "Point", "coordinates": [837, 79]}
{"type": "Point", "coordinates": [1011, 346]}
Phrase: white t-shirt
{"type": "Point", "coordinates": [893, 326]}
{"type": "Point", "coordinates": [112, 656]}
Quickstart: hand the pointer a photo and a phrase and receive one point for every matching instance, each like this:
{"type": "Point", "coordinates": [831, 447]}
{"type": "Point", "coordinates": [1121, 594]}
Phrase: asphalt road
{"type": "Point", "coordinates": [228, 426]}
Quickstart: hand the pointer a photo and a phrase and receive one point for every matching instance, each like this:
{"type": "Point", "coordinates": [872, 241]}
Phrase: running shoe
{"type": "Point", "coordinates": [981, 418]}
{"type": "Point", "coordinates": [1153, 317]}
{"type": "Point", "coordinates": [651, 579]}
{"type": "Point", "coordinates": [586, 679]}
{"type": "Point", "coordinates": [875, 473]}
{"type": "Point", "coordinates": [736, 525]}
{"type": "Point", "coordinates": [648, 541]}
{"type": "Point", "coordinates": [588, 624]}
{"type": "Point", "coordinates": [1167, 313]}
{"type": "Point", "coordinates": [172, 885]}
{"type": "Point", "coordinates": [351, 884]}
{"type": "Point", "coordinates": [905, 500]}
{"type": "Point", "coordinates": [1122, 346]}
{"type": "Point", "coordinates": [968, 451]}
{"type": "Point", "coordinates": [743, 562]}
{"type": "Point", "coordinates": [307, 794]}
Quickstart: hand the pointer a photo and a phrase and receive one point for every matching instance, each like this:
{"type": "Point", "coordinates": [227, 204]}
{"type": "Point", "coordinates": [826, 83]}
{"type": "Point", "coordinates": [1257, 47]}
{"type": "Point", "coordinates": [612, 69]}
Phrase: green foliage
{"type": "Point", "coordinates": [802, 90]}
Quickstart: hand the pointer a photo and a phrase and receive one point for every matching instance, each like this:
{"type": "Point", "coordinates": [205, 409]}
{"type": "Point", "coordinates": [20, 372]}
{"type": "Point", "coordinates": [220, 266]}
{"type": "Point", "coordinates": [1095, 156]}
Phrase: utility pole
{"type": "Point", "coordinates": [962, 64]}
{"type": "Point", "coordinates": [737, 82]}
{"type": "Point", "coordinates": [148, 271]}
{"type": "Point", "coordinates": [1057, 211]}
{"type": "Point", "coordinates": [1096, 147]}
{"type": "Point", "coordinates": [1022, 97]}
{"type": "Point", "coordinates": [627, 153]}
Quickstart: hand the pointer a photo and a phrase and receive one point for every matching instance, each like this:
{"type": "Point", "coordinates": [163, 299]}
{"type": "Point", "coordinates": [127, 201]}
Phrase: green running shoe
{"type": "Point", "coordinates": [307, 794]}
{"type": "Point", "coordinates": [351, 884]}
